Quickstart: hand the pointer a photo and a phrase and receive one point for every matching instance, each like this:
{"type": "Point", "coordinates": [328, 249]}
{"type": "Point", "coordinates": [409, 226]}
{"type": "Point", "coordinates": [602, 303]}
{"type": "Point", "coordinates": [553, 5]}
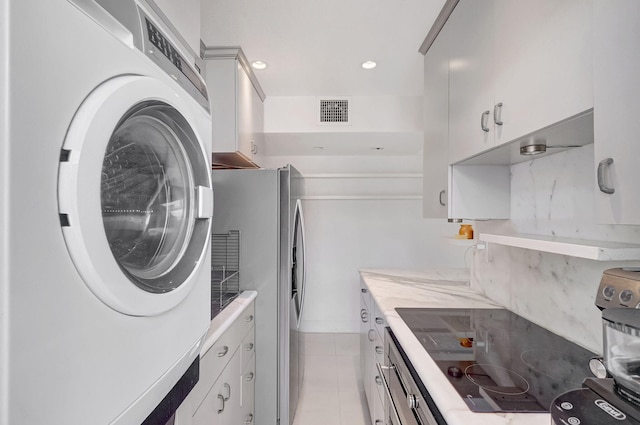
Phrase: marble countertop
{"type": "Point", "coordinates": [223, 320]}
{"type": "Point", "coordinates": [436, 288]}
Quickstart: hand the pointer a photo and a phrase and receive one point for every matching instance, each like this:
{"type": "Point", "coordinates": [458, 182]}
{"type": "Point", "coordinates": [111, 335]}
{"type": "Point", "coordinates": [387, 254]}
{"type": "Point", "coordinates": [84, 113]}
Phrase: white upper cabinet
{"type": "Point", "coordinates": [471, 128]}
{"type": "Point", "coordinates": [436, 128]}
{"type": "Point", "coordinates": [515, 68]}
{"type": "Point", "coordinates": [616, 110]}
{"type": "Point", "coordinates": [542, 63]}
{"type": "Point", "coordinates": [237, 111]}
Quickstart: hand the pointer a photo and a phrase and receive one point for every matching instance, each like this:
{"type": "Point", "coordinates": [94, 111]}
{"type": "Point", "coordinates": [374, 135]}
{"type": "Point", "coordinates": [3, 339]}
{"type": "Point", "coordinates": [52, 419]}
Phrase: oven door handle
{"type": "Point", "coordinates": [392, 406]}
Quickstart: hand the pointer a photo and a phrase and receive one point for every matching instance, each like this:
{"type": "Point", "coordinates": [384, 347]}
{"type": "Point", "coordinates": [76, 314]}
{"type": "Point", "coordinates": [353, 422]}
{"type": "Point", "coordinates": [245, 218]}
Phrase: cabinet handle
{"type": "Point", "coordinates": [378, 421]}
{"type": "Point", "coordinates": [249, 419]}
{"type": "Point", "coordinates": [364, 315]}
{"type": "Point", "coordinates": [228, 388]}
{"type": "Point", "coordinates": [224, 351]}
{"type": "Point", "coordinates": [249, 377]}
{"type": "Point", "coordinates": [363, 290]}
{"type": "Point", "coordinates": [379, 349]}
{"type": "Point", "coordinates": [369, 335]}
{"type": "Point", "coordinates": [378, 380]}
{"type": "Point", "coordinates": [221, 398]}
{"type": "Point", "coordinates": [442, 193]}
{"type": "Point", "coordinates": [379, 320]}
{"type": "Point", "coordinates": [602, 166]}
{"type": "Point", "coordinates": [249, 318]}
{"type": "Point", "coordinates": [483, 121]}
{"type": "Point", "coordinates": [497, 114]}
{"type": "Point", "coordinates": [249, 346]}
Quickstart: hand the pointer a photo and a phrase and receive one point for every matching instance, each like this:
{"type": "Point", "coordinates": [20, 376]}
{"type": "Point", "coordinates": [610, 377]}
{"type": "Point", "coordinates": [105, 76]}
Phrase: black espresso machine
{"type": "Point", "coordinates": [613, 397]}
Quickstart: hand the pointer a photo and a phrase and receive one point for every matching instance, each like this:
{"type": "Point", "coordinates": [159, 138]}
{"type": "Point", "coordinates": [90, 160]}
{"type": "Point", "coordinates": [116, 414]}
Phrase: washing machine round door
{"type": "Point", "coordinates": [135, 195]}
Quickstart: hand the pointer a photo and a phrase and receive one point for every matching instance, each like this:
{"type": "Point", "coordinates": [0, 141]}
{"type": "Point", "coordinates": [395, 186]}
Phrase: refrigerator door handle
{"type": "Point", "coordinates": [299, 221]}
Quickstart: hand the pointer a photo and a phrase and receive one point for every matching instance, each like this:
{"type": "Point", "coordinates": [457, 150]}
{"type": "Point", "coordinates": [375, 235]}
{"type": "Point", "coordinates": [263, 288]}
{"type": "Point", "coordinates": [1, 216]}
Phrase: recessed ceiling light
{"type": "Point", "coordinates": [259, 65]}
{"type": "Point", "coordinates": [369, 65]}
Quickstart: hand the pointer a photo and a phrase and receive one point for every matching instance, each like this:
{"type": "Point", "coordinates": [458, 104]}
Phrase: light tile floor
{"type": "Point", "coordinates": [332, 392]}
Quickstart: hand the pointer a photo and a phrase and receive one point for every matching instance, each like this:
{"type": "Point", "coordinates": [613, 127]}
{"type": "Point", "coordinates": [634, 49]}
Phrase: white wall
{"type": "Point", "coordinates": [185, 17]}
{"type": "Point", "coordinates": [551, 196]}
{"type": "Point", "coordinates": [346, 234]}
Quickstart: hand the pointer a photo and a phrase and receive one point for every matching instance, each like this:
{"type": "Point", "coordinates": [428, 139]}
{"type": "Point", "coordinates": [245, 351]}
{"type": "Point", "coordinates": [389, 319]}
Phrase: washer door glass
{"type": "Point", "coordinates": [147, 192]}
{"type": "Point", "coordinates": [135, 197]}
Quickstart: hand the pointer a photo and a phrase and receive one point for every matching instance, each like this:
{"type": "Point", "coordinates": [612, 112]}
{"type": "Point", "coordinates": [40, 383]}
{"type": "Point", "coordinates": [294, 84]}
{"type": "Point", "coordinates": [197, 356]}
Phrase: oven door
{"type": "Point", "coordinates": [391, 412]}
{"type": "Point", "coordinates": [407, 405]}
{"type": "Point", "coordinates": [399, 398]}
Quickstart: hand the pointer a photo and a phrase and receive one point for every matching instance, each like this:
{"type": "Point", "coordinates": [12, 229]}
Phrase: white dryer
{"type": "Point", "coordinates": [106, 215]}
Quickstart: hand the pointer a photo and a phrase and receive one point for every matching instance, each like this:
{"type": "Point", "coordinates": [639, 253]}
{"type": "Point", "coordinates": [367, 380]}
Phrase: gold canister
{"type": "Point", "coordinates": [466, 231]}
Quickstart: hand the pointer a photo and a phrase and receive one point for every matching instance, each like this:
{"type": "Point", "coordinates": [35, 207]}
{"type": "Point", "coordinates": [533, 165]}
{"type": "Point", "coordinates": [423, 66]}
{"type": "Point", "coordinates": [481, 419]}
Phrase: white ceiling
{"type": "Point", "coordinates": [315, 48]}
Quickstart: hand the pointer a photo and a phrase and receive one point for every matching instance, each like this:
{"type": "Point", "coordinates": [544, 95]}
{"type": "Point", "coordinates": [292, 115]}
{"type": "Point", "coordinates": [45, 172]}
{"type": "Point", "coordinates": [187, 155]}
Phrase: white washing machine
{"type": "Point", "coordinates": [106, 215]}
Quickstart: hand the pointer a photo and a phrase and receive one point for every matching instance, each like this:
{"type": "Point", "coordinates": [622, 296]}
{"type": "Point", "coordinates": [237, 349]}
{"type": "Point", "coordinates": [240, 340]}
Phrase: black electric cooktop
{"type": "Point", "coordinates": [496, 360]}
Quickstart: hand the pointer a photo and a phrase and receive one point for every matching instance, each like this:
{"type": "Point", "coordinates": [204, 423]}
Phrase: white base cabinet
{"type": "Point", "coordinates": [224, 394]}
{"type": "Point", "coordinates": [372, 324]}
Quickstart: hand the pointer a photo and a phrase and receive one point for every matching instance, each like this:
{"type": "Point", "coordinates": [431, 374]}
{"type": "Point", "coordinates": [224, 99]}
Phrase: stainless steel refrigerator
{"type": "Point", "coordinates": [265, 206]}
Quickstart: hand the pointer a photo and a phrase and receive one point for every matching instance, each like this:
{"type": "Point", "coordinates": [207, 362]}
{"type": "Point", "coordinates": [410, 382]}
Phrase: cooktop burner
{"type": "Point", "coordinates": [496, 360]}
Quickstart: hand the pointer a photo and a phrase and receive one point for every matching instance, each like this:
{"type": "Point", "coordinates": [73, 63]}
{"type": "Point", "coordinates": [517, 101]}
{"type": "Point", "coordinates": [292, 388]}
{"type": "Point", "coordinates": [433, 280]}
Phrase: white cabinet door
{"type": "Point", "coordinates": [436, 127]}
{"type": "Point", "coordinates": [245, 112]}
{"type": "Point", "coordinates": [470, 79]}
{"type": "Point", "coordinates": [543, 63]}
{"type": "Point", "coordinates": [616, 109]}
{"type": "Point", "coordinates": [221, 406]}
{"type": "Point", "coordinates": [257, 128]}
{"type": "Point", "coordinates": [221, 82]}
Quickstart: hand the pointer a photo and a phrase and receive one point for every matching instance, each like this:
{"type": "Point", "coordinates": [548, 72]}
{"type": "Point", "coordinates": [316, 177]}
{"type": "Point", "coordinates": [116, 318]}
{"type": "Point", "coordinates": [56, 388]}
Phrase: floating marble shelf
{"type": "Point", "coordinates": [592, 250]}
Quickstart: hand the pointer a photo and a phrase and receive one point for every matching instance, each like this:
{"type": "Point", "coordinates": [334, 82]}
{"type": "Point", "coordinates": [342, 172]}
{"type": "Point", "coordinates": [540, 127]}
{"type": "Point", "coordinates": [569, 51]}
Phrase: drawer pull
{"type": "Point", "coordinates": [250, 346]}
{"type": "Point", "coordinates": [249, 318]}
{"type": "Point", "coordinates": [221, 398]}
{"type": "Point", "coordinates": [228, 388]}
{"type": "Point", "coordinates": [602, 166]}
{"type": "Point", "coordinates": [249, 377]}
{"type": "Point", "coordinates": [364, 315]}
{"type": "Point", "coordinates": [224, 351]}
{"type": "Point", "coordinates": [363, 290]}
{"type": "Point", "coordinates": [497, 114]}
{"type": "Point", "coordinates": [378, 380]}
{"type": "Point", "coordinates": [483, 121]}
{"type": "Point", "coordinates": [379, 349]}
{"type": "Point", "coordinates": [379, 320]}
{"type": "Point", "coordinates": [249, 419]}
{"type": "Point", "coordinates": [370, 336]}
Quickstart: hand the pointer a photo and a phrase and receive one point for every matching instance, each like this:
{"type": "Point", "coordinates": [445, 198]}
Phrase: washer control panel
{"type": "Point", "coordinates": [619, 288]}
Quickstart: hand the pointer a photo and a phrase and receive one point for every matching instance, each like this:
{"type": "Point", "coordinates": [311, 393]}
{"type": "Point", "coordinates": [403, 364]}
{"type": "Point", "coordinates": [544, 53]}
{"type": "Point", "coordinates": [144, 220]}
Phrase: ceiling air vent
{"type": "Point", "coordinates": [334, 111]}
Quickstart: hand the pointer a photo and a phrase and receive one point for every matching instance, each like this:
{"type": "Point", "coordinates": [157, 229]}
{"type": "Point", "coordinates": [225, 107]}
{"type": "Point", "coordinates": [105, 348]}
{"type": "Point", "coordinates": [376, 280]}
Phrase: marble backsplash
{"type": "Point", "coordinates": [551, 196]}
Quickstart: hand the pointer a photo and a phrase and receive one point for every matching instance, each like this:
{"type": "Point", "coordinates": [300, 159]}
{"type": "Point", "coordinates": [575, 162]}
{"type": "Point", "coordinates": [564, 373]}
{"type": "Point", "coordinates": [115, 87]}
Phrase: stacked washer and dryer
{"type": "Point", "coordinates": [105, 214]}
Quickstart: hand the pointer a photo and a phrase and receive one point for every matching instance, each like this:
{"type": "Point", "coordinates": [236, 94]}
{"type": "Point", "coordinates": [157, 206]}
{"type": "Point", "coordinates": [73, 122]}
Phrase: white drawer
{"type": "Point", "coordinates": [248, 346]}
{"type": "Point", "coordinates": [366, 295]}
{"type": "Point", "coordinates": [378, 320]}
